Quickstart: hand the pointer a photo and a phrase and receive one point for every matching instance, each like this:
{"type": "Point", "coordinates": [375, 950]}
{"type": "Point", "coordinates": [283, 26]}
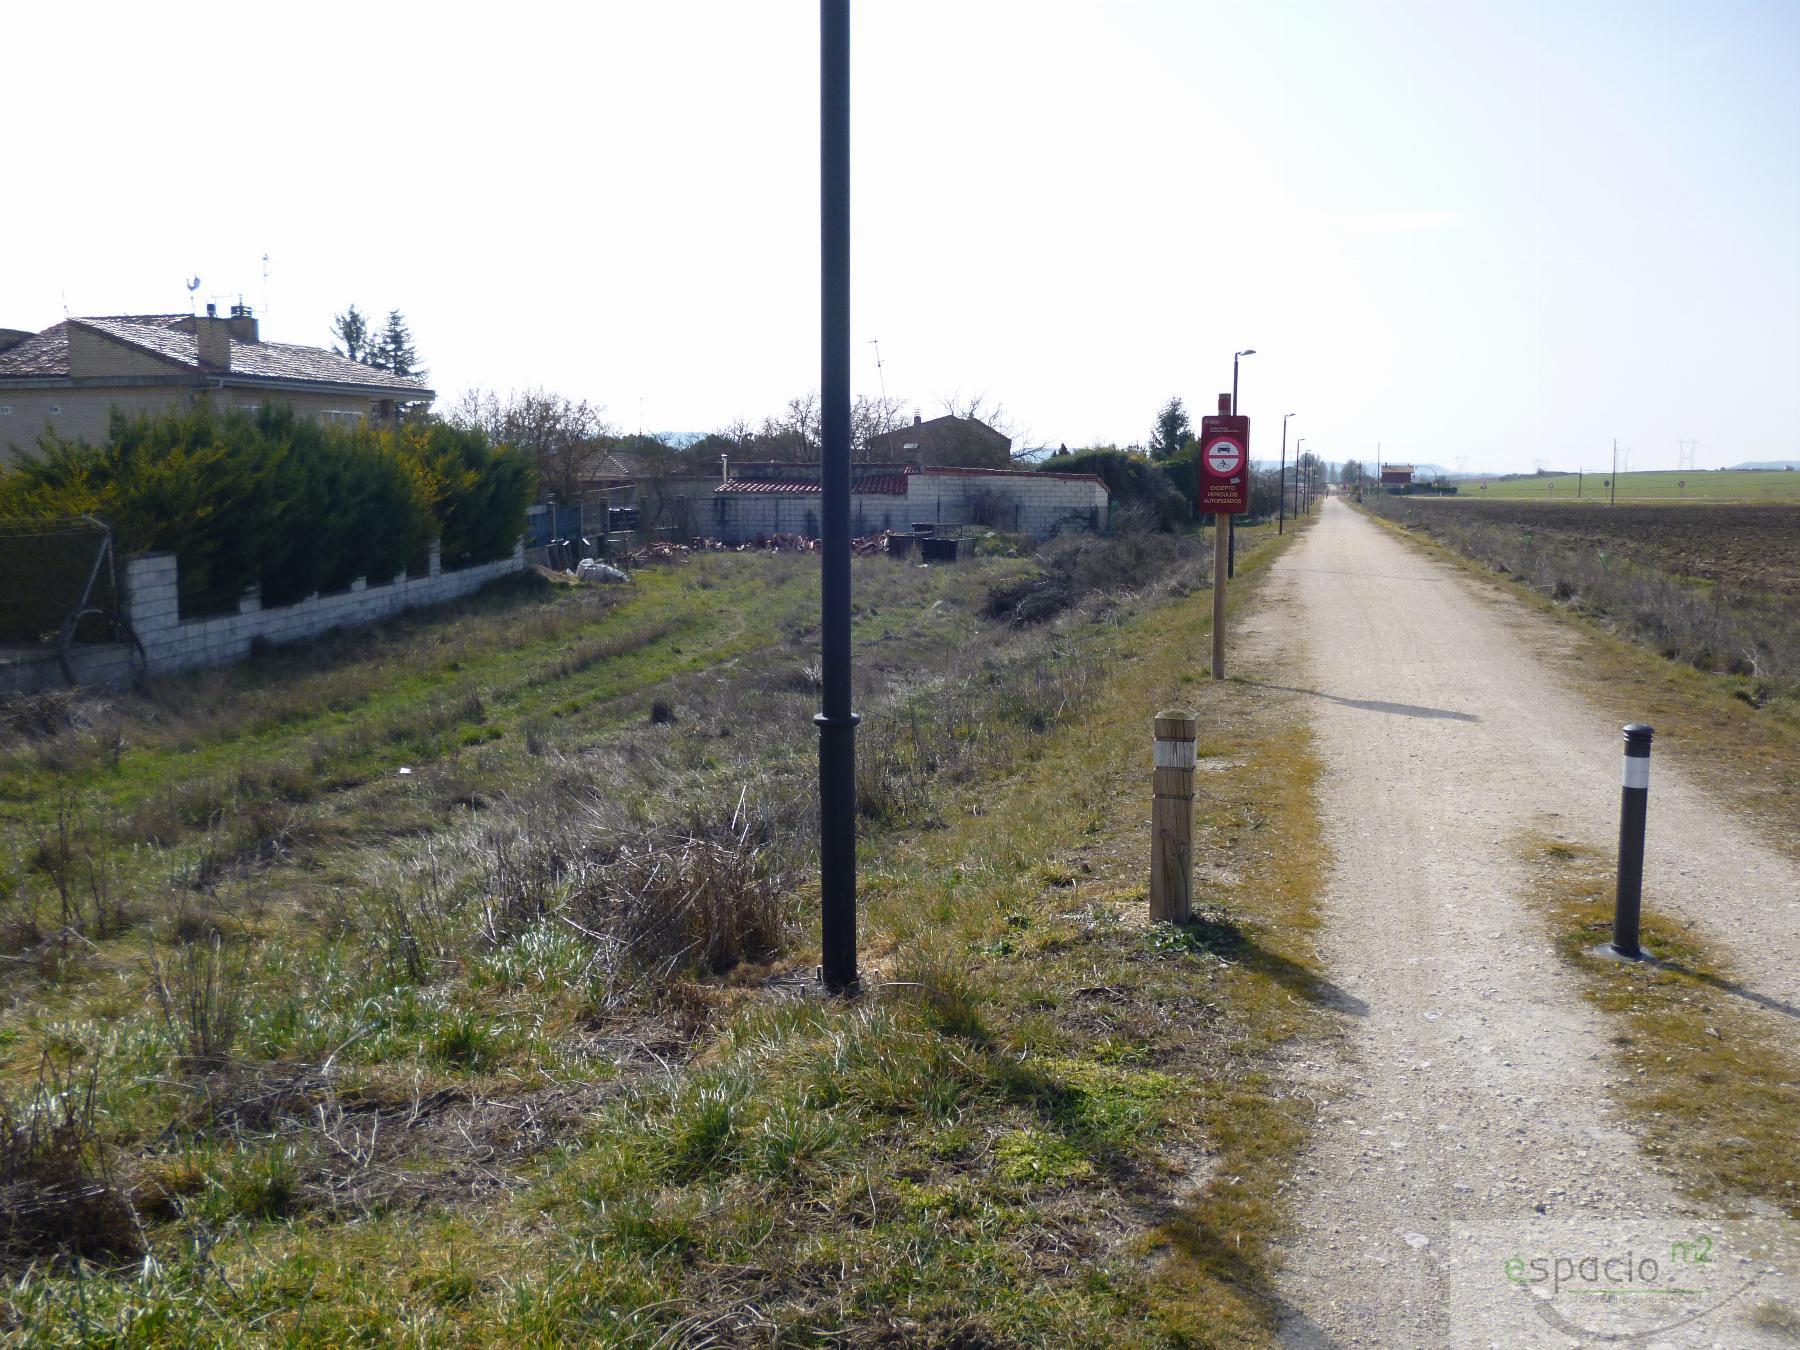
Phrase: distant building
{"type": "Point", "coordinates": [70, 377]}
{"type": "Point", "coordinates": [957, 441]}
{"type": "Point", "coordinates": [766, 499]}
{"type": "Point", "coordinates": [1396, 475]}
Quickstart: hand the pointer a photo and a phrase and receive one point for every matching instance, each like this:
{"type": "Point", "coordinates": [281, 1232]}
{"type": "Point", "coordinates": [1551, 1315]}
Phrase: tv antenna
{"type": "Point", "coordinates": [193, 284]}
{"type": "Point", "coordinates": [879, 374]}
{"type": "Point", "coordinates": [265, 294]}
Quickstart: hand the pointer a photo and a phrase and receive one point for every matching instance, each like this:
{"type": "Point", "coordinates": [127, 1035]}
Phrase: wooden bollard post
{"type": "Point", "coordinates": [1172, 819]}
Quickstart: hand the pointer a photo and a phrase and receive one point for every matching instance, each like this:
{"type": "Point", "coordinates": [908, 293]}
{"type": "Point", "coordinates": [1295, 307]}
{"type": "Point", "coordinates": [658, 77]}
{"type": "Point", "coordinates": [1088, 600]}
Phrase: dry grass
{"type": "Point", "coordinates": [57, 1196]}
{"type": "Point", "coordinates": [1741, 631]}
{"type": "Point", "coordinates": [497, 1037]}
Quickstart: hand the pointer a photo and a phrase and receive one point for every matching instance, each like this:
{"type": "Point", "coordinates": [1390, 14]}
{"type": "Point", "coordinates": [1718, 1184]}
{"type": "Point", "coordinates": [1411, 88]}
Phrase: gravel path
{"type": "Point", "coordinates": [1466, 1118]}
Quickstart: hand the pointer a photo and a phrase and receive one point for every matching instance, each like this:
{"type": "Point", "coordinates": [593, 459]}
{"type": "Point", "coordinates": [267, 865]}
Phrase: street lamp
{"type": "Point", "coordinates": [1248, 351]}
{"type": "Point", "coordinates": [1231, 525]}
{"type": "Point", "coordinates": [1297, 463]}
{"type": "Point", "coordinates": [1281, 480]}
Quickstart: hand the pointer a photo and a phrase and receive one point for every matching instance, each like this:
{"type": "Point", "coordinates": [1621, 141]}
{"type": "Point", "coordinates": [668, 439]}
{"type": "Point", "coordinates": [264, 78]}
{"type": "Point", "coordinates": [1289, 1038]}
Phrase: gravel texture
{"type": "Point", "coordinates": [1466, 1112]}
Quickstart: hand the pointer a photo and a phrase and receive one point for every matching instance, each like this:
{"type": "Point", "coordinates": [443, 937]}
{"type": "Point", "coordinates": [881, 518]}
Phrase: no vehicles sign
{"type": "Point", "coordinates": [1223, 484]}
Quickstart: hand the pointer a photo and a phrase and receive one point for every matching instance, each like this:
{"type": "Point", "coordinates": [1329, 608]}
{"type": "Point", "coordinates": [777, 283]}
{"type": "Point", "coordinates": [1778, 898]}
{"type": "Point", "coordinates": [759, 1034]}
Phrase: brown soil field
{"type": "Point", "coordinates": [1747, 547]}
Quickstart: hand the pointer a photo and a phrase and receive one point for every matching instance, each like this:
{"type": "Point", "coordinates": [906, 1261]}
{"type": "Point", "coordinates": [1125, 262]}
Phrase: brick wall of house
{"type": "Point", "coordinates": [94, 355]}
{"type": "Point", "coordinates": [75, 414]}
{"type": "Point", "coordinates": [83, 414]}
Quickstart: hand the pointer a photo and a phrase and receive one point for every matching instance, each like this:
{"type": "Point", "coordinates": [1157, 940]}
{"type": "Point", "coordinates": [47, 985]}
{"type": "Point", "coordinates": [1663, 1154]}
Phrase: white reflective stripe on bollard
{"type": "Point", "coordinates": [1174, 754]}
{"type": "Point", "coordinates": [1637, 772]}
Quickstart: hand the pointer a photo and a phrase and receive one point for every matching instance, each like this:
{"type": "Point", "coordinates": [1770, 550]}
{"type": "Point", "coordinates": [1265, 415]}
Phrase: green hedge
{"type": "Point", "coordinates": [1130, 478]}
{"type": "Point", "coordinates": [276, 499]}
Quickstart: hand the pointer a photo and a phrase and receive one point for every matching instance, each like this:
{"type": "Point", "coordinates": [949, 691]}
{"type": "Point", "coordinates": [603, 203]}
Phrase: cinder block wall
{"type": "Point", "coordinates": [739, 517]}
{"type": "Point", "coordinates": [1020, 503]}
{"type": "Point", "coordinates": [172, 643]}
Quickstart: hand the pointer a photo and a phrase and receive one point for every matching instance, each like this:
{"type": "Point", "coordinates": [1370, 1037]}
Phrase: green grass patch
{"type": "Point", "coordinates": [1708, 1080]}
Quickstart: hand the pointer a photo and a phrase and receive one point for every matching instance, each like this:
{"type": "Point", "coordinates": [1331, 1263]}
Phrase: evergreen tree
{"type": "Point", "coordinates": [1172, 432]}
{"type": "Point", "coordinates": [352, 331]}
{"type": "Point", "coordinates": [393, 351]}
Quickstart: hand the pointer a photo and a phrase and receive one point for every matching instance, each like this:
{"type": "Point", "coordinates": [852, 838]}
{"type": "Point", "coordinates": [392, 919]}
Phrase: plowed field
{"type": "Point", "coordinates": [1753, 547]}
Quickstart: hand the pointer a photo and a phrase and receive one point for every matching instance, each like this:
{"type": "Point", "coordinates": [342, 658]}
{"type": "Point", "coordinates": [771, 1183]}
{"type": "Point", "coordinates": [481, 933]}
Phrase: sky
{"type": "Point", "coordinates": [1477, 235]}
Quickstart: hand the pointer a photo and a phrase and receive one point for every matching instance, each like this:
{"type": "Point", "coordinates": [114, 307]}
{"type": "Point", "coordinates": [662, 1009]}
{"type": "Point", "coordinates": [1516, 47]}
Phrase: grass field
{"type": "Point", "coordinates": [517, 1046]}
{"type": "Point", "coordinates": [1703, 485]}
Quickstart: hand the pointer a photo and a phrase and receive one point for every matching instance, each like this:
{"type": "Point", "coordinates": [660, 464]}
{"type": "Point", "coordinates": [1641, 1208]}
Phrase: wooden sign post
{"type": "Point", "coordinates": [1222, 490]}
{"type": "Point", "coordinates": [1172, 819]}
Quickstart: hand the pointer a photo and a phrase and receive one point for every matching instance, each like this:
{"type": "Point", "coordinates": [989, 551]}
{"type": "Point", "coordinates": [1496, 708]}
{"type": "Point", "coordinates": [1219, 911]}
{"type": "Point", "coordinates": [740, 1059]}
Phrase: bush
{"type": "Point", "coordinates": [275, 499]}
{"type": "Point", "coordinates": [1075, 565]}
{"type": "Point", "coordinates": [478, 491]}
{"type": "Point", "coordinates": [1131, 479]}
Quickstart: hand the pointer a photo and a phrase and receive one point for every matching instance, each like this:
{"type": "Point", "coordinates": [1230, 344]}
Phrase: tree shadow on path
{"type": "Point", "coordinates": [1372, 704]}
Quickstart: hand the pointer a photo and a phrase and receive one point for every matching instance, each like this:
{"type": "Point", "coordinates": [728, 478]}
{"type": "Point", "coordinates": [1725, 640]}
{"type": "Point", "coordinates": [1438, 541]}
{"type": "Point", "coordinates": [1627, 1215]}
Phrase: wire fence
{"type": "Point", "coordinates": [46, 566]}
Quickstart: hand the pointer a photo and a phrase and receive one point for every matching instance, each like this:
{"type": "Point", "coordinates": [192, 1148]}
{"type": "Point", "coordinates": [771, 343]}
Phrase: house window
{"type": "Point", "coordinates": [55, 408]}
{"type": "Point", "coordinates": [337, 417]}
{"type": "Point", "coordinates": [5, 410]}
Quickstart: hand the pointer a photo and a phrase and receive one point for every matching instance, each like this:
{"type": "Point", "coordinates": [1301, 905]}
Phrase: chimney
{"type": "Point", "coordinates": [724, 469]}
{"type": "Point", "coordinates": [243, 322]}
{"type": "Point", "coordinates": [212, 335]}
{"type": "Point", "coordinates": [917, 420]}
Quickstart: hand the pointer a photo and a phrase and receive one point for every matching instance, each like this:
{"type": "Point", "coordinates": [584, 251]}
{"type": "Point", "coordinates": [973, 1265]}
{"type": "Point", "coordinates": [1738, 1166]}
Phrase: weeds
{"type": "Point", "coordinates": [57, 1197]}
{"type": "Point", "coordinates": [200, 994]}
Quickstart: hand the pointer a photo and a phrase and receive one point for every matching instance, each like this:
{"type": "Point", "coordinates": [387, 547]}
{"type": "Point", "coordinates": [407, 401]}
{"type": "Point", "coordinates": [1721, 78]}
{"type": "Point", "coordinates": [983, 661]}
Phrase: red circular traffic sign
{"type": "Point", "coordinates": [1225, 457]}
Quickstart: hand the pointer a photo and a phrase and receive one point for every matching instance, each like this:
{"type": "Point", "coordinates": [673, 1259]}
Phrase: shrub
{"type": "Point", "coordinates": [1131, 479]}
{"type": "Point", "coordinates": [478, 491]}
{"type": "Point", "coordinates": [275, 499]}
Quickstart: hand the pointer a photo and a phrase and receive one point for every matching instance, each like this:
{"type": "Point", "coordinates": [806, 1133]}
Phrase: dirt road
{"type": "Point", "coordinates": [1467, 1114]}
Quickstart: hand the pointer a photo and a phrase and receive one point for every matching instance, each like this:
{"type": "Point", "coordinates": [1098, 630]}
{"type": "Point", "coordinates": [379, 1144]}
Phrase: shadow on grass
{"type": "Point", "coordinates": [1214, 933]}
{"type": "Point", "coordinates": [1729, 987]}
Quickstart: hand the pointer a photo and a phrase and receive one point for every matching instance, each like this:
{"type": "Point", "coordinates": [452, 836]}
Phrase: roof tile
{"type": "Point", "coordinates": [168, 335]}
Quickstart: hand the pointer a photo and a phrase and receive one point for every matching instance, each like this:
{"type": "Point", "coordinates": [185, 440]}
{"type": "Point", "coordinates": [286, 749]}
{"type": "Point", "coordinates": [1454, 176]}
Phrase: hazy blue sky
{"type": "Point", "coordinates": [1499, 232]}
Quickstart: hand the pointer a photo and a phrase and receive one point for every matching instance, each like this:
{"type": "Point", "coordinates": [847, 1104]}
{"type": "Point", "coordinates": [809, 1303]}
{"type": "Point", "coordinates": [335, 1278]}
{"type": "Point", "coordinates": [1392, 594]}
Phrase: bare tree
{"type": "Point", "coordinates": [977, 408]}
{"type": "Point", "coordinates": [871, 417]}
{"type": "Point", "coordinates": [566, 438]}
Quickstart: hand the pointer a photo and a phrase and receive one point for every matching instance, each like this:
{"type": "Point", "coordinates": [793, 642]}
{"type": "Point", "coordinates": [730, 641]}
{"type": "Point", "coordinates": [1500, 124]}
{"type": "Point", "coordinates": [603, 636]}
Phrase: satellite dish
{"type": "Point", "coordinates": [193, 284]}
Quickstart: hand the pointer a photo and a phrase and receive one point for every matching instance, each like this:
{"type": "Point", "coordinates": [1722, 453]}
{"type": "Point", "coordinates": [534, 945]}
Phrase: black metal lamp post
{"type": "Point", "coordinates": [1281, 481]}
{"type": "Point", "coordinates": [1248, 351]}
{"type": "Point", "coordinates": [836, 721]}
{"type": "Point", "coordinates": [1298, 461]}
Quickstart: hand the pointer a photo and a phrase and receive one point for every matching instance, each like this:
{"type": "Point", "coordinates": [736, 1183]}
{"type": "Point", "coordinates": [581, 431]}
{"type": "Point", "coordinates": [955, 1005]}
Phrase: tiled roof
{"type": "Point", "coordinates": [166, 335]}
{"type": "Point", "coordinates": [45, 354]}
{"type": "Point", "coordinates": [155, 333]}
{"type": "Point", "coordinates": [285, 361]}
{"type": "Point", "coordinates": [1006, 473]}
{"type": "Point", "coordinates": [887, 484]}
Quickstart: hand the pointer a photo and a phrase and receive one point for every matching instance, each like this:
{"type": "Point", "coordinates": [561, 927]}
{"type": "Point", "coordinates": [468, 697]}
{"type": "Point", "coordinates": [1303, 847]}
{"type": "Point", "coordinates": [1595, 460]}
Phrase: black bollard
{"type": "Point", "coordinates": [1634, 805]}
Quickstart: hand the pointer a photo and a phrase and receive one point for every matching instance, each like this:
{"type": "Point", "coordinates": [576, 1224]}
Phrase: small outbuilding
{"type": "Point", "coordinates": [767, 499]}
